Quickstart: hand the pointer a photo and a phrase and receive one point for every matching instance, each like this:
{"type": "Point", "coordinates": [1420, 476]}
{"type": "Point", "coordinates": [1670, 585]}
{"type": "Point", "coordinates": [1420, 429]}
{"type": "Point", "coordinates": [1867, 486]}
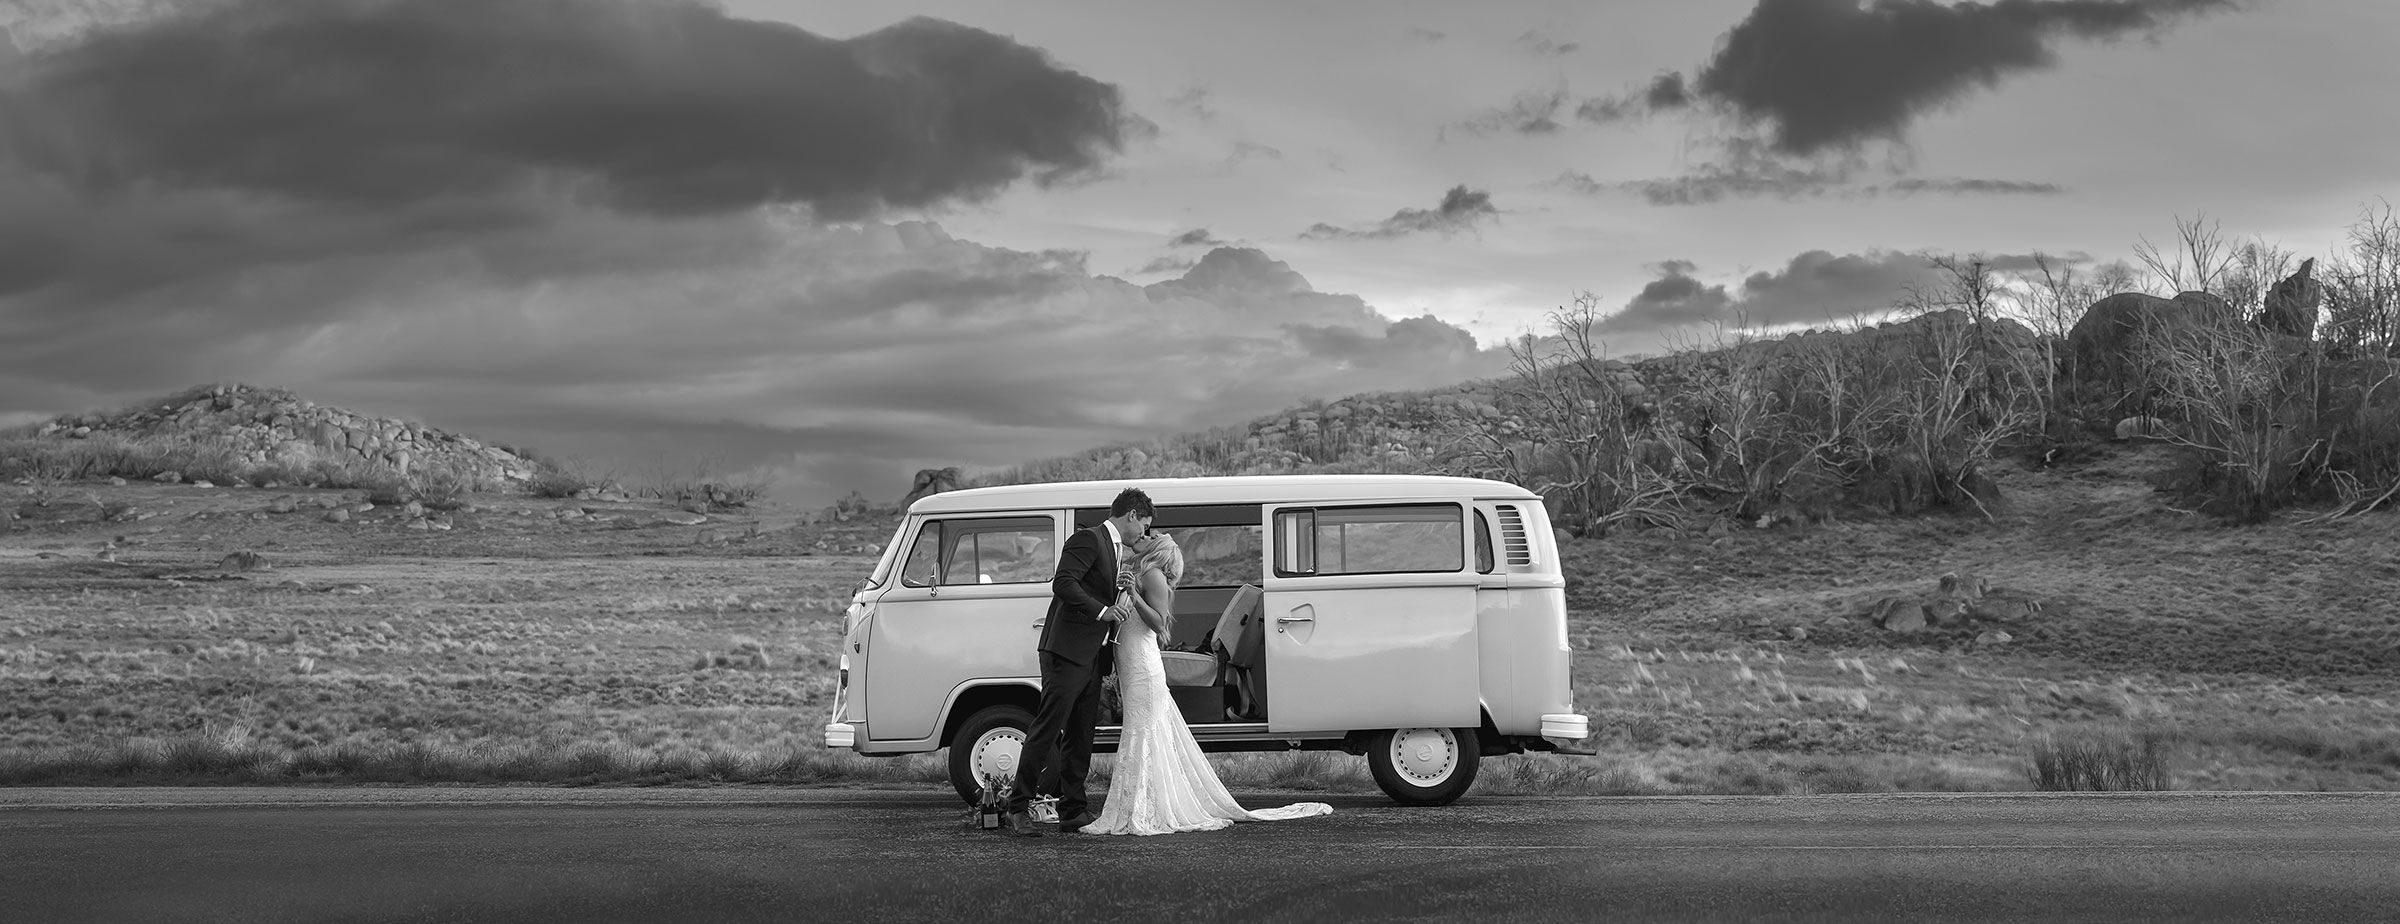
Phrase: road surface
{"type": "Point", "coordinates": [755, 854]}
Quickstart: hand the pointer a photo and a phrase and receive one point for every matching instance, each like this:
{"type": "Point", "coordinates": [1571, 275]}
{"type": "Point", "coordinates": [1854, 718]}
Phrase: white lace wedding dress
{"type": "Point", "coordinates": [1162, 784]}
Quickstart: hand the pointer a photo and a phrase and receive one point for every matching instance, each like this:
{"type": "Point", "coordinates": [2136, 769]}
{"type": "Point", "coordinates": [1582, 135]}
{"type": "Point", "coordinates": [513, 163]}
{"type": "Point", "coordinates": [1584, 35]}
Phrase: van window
{"type": "Point", "coordinates": [1393, 539]}
{"type": "Point", "coordinates": [982, 550]}
{"type": "Point", "coordinates": [1219, 556]}
{"type": "Point", "coordinates": [1483, 545]}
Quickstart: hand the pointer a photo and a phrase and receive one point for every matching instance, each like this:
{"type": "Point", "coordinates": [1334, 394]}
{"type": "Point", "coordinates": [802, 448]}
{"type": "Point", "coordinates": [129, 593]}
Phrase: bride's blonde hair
{"type": "Point", "coordinates": [1167, 557]}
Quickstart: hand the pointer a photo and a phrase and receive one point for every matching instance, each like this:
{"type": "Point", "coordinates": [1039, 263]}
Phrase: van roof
{"type": "Point", "coordinates": [1224, 489]}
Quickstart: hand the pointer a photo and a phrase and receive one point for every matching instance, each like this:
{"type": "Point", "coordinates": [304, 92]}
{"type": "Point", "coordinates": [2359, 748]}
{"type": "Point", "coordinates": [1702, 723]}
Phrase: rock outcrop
{"type": "Point", "coordinates": [931, 481]}
{"type": "Point", "coordinates": [2291, 307]}
{"type": "Point", "coordinates": [272, 426]}
{"type": "Point", "coordinates": [1957, 602]}
{"type": "Point", "coordinates": [2109, 340]}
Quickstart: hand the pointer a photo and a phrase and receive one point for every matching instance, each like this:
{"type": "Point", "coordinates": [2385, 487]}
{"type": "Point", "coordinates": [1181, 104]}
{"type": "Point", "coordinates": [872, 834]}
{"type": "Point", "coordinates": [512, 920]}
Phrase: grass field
{"type": "Point", "coordinates": [612, 647]}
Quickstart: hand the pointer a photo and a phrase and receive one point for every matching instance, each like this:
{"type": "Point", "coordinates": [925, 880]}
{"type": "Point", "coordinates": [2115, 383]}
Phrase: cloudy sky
{"type": "Point", "coordinates": [840, 241]}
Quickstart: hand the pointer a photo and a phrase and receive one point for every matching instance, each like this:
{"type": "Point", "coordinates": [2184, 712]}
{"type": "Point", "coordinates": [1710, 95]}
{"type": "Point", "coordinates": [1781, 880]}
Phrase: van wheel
{"type": "Point", "coordinates": [1424, 766]}
{"type": "Point", "coordinates": [989, 744]}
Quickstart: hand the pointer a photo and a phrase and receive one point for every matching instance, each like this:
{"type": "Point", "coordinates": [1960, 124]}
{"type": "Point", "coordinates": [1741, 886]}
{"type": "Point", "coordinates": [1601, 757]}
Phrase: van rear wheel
{"type": "Point", "coordinates": [990, 744]}
{"type": "Point", "coordinates": [1424, 766]}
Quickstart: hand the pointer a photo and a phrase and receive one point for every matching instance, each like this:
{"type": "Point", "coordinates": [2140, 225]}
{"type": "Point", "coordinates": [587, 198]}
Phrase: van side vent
{"type": "Point", "coordinates": [1515, 545]}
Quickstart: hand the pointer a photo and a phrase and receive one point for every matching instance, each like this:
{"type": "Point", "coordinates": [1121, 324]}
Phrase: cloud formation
{"type": "Point", "coordinates": [1544, 46]}
{"type": "Point", "coordinates": [1197, 237]}
{"type": "Point", "coordinates": [1832, 75]}
{"type": "Point", "coordinates": [1534, 112]}
{"type": "Point", "coordinates": [1814, 288]}
{"type": "Point", "coordinates": [1460, 210]}
{"type": "Point", "coordinates": [446, 114]}
{"type": "Point", "coordinates": [603, 227]}
{"type": "Point", "coordinates": [839, 356]}
{"type": "Point", "coordinates": [1749, 169]}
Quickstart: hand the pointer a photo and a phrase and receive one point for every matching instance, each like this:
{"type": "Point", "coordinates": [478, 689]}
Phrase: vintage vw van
{"type": "Point", "coordinates": [1418, 621]}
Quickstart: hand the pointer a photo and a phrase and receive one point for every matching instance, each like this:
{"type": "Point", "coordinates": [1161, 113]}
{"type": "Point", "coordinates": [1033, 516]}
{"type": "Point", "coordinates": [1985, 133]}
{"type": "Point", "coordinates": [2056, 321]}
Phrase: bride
{"type": "Point", "coordinates": [1162, 784]}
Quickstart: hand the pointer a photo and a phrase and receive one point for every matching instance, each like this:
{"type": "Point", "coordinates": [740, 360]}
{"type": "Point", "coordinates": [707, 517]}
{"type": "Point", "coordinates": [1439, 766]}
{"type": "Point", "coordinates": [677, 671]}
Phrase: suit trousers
{"type": "Point", "coordinates": [1058, 748]}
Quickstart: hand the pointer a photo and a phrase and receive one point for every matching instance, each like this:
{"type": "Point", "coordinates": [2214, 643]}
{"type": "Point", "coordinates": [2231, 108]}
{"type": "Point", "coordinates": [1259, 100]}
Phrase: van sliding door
{"type": "Point", "coordinates": [1370, 617]}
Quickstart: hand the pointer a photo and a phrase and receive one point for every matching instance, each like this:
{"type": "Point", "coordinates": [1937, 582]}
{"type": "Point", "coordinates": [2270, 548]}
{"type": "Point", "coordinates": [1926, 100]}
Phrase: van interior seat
{"type": "Point", "coordinates": [1219, 640]}
{"type": "Point", "coordinates": [1197, 612]}
{"type": "Point", "coordinates": [1239, 642]}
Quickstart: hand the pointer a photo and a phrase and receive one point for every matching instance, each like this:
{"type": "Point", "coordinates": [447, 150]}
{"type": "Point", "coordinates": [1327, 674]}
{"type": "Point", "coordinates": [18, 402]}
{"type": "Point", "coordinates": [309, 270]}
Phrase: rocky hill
{"type": "Point", "coordinates": [273, 429]}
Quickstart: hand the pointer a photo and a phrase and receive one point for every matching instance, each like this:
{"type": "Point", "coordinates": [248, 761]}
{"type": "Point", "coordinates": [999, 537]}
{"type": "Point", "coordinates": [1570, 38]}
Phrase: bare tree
{"type": "Point", "coordinates": [2362, 287]}
{"type": "Point", "coordinates": [2199, 265]}
{"type": "Point", "coordinates": [2255, 268]}
{"type": "Point", "coordinates": [1577, 430]}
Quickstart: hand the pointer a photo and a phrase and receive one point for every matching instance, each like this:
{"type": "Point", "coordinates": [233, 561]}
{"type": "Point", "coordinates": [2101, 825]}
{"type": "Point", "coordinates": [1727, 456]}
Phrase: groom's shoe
{"type": "Point", "coordinates": [1077, 823]}
{"type": "Point", "coordinates": [1018, 824]}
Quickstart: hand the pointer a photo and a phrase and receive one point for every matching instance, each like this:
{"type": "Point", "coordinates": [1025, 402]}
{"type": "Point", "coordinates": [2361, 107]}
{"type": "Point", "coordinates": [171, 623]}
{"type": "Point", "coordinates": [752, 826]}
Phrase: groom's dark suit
{"type": "Point", "coordinates": [1074, 656]}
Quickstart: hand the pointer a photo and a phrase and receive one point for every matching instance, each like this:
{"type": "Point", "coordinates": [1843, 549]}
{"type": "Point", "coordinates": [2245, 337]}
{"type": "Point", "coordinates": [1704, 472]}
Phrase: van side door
{"type": "Point", "coordinates": [1370, 616]}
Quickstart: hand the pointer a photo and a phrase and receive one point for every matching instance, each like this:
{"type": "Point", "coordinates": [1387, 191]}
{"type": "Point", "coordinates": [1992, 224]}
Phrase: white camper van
{"type": "Point", "coordinates": [1418, 621]}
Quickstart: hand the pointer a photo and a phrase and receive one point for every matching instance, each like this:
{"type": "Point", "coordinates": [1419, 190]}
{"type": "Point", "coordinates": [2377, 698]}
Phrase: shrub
{"type": "Point", "coordinates": [2101, 761]}
{"type": "Point", "coordinates": [444, 487]}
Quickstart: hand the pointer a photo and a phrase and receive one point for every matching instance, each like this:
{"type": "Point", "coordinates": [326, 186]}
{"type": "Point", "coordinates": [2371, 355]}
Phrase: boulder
{"type": "Point", "coordinates": [2110, 340]}
{"type": "Point", "coordinates": [930, 481]}
{"type": "Point", "coordinates": [1901, 614]}
{"type": "Point", "coordinates": [2142, 428]}
{"type": "Point", "coordinates": [244, 560]}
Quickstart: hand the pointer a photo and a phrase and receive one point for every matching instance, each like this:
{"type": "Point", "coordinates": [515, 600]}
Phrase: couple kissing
{"type": "Point", "coordinates": [1111, 604]}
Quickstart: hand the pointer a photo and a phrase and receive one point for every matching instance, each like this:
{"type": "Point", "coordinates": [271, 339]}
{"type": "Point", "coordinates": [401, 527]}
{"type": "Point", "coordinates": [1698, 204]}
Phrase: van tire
{"type": "Point", "coordinates": [1424, 766]}
{"type": "Point", "coordinates": [992, 726]}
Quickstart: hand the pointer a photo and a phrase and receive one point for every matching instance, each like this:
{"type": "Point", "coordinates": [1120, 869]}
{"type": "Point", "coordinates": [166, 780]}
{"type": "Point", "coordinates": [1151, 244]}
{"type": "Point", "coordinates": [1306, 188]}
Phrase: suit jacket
{"type": "Point", "coordinates": [1084, 586]}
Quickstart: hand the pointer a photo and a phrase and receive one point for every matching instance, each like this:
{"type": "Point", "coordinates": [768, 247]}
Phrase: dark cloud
{"type": "Point", "coordinates": [824, 354]}
{"type": "Point", "coordinates": [1829, 75]}
{"type": "Point", "coordinates": [1750, 169]}
{"type": "Point", "coordinates": [1671, 301]}
{"type": "Point", "coordinates": [1664, 92]}
{"type": "Point", "coordinates": [1197, 237]}
{"type": "Point", "coordinates": [1814, 288]}
{"type": "Point", "coordinates": [1534, 112]}
{"type": "Point", "coordinates": [664, 107]}
{"type": "Point", "coordinates": [1739, 179]}
{"type": "Point", "coordinates": [1460, 210]}
{"type": "Point", "coordinates": [1428, 36]}
{"type": "Point", "coordinates": [1961, 187]}
{"type": "Point", "coordinates": [1545, 46]}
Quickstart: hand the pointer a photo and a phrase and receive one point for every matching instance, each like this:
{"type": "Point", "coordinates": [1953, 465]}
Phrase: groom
{"type": "Point", "coordinates": [1074, 655]}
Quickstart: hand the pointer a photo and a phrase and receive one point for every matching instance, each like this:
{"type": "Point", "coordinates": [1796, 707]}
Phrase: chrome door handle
{"type": "Point", "coordinates": [1284, 620]}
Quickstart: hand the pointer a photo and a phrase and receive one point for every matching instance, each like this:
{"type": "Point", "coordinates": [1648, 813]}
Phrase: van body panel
{"type": "Point", "coordinates": [1353, 652]}
{"type": "Point", "coordinates": [1524, 655]}
{"type": "Point", "coordinates": [927, 640]}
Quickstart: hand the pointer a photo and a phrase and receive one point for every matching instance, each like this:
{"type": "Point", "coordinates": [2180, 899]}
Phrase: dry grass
{"type": "Point", "coordinates": [525, 647]}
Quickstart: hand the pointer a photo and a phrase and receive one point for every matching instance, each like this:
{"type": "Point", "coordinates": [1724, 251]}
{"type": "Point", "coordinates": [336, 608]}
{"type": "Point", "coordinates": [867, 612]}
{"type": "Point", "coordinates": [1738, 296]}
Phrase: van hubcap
{"type": "Point", "coordinates": [1425, 756]}
{"type": "Point", "coordinates": [996, 753]}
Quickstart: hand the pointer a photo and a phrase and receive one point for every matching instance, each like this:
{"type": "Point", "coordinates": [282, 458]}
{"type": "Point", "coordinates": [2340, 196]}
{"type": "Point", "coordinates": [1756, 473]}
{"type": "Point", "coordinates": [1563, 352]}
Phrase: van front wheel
{"type": "Point", "coordinates": [990, 744]}
{"type": "Point", "coordinates": [1424, 766]}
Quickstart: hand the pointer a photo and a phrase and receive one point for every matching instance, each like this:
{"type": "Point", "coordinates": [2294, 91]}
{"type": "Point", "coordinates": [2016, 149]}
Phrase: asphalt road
{"type": "Point", "coordinates": [531, 855]}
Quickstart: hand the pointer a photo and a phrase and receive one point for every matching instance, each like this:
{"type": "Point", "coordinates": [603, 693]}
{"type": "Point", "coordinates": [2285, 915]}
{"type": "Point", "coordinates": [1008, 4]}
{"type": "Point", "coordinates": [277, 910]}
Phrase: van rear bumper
{"type": "Point", "coordinates": [840, 735]}
{"type": "Point", "coordinates": [1568, 733]}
